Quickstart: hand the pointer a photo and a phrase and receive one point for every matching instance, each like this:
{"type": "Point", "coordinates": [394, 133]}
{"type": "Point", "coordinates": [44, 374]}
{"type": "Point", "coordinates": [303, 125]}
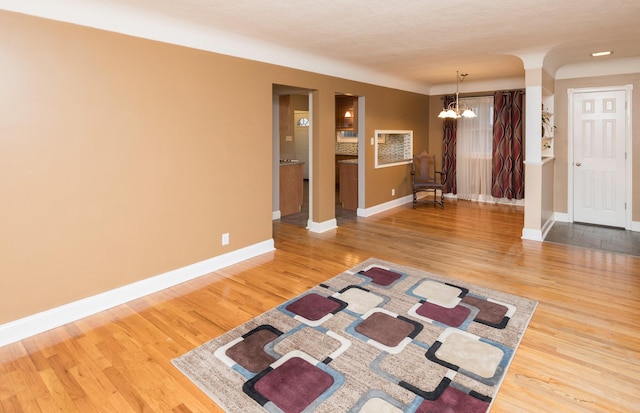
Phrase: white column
{"type": "Point", "coordinates": [533, 126]}
{"type": "Point", "coordinates": [533, 158]}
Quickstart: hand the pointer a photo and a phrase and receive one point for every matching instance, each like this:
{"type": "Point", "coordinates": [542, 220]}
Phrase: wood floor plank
{"type": "Point", "coordinates": [581, 352]}
{"type": "Point", "coordinates": [11, 404]}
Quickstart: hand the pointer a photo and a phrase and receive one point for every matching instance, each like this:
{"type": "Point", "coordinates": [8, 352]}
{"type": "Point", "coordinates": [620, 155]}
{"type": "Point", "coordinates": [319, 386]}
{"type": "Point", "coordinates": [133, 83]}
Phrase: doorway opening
{"type": "Point", "coordinates": [349, 156]}
{"type": "Point", "coordinates": [302, 153]}
{"type": "Point", "coordinates": [292, 154]}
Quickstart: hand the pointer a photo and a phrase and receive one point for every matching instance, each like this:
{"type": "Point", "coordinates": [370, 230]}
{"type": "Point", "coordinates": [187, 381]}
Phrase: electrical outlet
{"type": "Point", "coordinates": [393, 192]}
{"type": "Point", "coordinates": [225, 238]}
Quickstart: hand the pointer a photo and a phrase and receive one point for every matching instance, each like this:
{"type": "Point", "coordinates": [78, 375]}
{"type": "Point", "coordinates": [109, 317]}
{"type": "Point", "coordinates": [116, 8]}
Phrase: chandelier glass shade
{"type": "Point", "coordinates": [455, 110]}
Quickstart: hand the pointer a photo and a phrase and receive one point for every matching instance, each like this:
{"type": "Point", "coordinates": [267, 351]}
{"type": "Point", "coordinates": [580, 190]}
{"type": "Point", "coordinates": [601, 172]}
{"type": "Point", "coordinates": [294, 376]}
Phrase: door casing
{"type": "Point", "coordinates": [628, 149]}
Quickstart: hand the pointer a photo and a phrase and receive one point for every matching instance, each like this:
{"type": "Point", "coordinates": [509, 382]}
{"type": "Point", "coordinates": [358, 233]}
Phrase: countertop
{"type": "Point", "coordinates": [349, 161]}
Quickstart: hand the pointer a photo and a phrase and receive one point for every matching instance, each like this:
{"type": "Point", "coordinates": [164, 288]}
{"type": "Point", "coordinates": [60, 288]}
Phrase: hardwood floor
{"type": "Point", "coordinates": [581, 352]}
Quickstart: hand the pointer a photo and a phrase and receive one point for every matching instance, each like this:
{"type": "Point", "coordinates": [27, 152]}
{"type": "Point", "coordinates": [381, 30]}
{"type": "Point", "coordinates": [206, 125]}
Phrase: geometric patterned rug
{"type": "Point", "coordinates": [379, 337]}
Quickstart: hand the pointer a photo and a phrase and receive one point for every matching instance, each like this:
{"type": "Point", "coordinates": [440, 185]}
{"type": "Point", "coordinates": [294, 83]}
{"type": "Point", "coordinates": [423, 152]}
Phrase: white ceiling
{"type": "Point", "coordinates": [419, 42]}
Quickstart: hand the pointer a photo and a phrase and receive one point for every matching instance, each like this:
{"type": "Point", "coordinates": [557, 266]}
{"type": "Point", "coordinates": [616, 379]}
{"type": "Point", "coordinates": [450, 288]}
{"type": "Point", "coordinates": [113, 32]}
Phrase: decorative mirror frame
{"type": "Point", "coordinates": [393, 147]}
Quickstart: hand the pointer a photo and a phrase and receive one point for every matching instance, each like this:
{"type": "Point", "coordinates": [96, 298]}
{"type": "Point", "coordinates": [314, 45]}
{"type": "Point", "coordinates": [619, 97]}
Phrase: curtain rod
{"type": "Point", "coordinates": [462, 96]}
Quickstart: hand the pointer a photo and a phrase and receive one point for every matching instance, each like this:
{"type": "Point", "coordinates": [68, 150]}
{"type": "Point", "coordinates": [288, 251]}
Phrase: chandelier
{"type": "Point", "coordinates": [454, 110]}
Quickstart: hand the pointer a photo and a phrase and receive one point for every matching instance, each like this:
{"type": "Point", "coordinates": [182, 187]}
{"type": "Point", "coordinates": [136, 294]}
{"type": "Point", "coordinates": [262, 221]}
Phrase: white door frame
{"type": "Point", "coordinates": [362, 143]}
{"type": "Point", "coordinates": [628, 148]}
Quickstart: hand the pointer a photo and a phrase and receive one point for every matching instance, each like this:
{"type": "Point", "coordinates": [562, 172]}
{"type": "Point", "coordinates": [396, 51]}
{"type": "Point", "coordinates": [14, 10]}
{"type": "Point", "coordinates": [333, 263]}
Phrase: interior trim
{"type": "Point", "coordinates": [367, 212]}
{"type": "Point", "coordinates": [132, 21]}
{"type": "Point", "coordinates": [320, 227]}
{"type": "Point", "coordinates": [28, 326]}
{"type": "Point", "coordinates": [532, 234]}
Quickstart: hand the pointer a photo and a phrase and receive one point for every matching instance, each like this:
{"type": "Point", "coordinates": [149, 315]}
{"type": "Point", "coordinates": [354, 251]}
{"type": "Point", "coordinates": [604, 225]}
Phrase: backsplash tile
{"type": "Point", "coordinates": [346, 148]}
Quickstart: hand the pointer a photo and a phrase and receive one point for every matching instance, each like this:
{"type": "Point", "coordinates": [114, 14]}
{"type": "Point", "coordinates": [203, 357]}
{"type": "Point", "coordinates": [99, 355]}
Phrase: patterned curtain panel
{"type": "Point", "coordinates": [449, 151]}
{"type": "Point", "coordinates": [508, 146]}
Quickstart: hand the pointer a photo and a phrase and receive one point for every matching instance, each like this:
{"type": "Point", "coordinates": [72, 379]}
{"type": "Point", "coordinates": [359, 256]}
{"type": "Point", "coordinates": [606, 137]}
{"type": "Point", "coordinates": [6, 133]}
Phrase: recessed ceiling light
{"type": "Point", "coordinates": [598, 54]}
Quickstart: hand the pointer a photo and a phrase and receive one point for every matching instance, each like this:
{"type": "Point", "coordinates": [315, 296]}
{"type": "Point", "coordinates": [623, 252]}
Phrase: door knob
{"type": "Point", "coordinates": [578, 164]}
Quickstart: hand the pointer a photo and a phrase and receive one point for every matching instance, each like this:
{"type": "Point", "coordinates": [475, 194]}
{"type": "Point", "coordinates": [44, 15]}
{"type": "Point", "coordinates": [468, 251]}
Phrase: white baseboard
{"type": "Point", "coordinates": [367, 212]}
{"type": "Point", "coordinates": [564, 217]}
{"type": "Point", "coordinates": [547, 226]}
{"type": "Point", "coordinates": [539, 234]}
{"type": "Point", "coordinates": [275, 215]}
{"type": "Point", "coordinates": [28, 326]}
{"type": "Point", "coordinates": [321, 227]}
{"type": "Point", "coordinates": [532, 234]}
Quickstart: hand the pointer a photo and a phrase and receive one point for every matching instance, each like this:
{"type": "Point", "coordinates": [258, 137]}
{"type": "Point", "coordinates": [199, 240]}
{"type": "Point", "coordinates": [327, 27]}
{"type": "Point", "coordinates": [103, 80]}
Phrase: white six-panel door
{"type": "Point", "coordinates": [599, 166]}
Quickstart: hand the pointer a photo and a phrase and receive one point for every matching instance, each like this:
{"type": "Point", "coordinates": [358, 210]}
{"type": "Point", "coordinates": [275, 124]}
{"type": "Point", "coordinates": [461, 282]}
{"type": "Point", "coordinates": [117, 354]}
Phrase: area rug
{"type": "Point", "coordinates": [379, 337]}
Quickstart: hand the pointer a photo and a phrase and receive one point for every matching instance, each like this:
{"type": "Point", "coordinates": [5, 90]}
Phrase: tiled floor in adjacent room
{"type": "Point", "coordinates": [596, 237]}
{"type": "Point", "coordinates": [301, 218]}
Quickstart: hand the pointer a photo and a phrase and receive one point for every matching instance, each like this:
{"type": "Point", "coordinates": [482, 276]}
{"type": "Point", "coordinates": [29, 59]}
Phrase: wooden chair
{"type": "Point", "coordinates": [425, 178]}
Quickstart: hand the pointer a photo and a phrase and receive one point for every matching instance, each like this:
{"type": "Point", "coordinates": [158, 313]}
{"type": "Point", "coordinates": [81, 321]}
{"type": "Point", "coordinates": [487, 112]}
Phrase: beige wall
{"type": "Point", "coordinates": [398, 110]}
{"type": "Point", "coordinates": [546, 192]}
{"type": "Point", "coordinates": [561, 150]}
{"type": "Point", "coordinates": [123, 158]}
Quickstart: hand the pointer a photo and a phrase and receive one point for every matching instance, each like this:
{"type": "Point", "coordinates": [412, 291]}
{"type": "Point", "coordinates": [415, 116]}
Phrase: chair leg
{"type": "Point", "coordinates": [415, 199]}
{"type": "Point", "coordinates": [441, 199]}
